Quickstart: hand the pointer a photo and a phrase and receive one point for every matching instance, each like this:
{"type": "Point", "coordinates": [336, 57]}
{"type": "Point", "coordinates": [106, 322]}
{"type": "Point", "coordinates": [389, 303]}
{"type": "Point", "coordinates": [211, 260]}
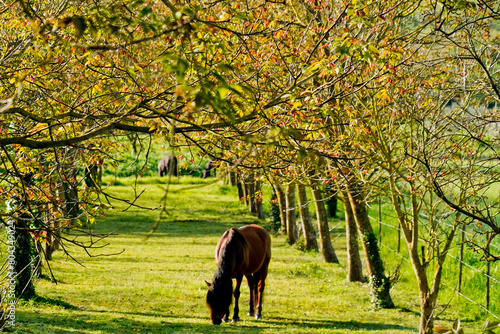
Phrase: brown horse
{"type": "Point", "coordinates": [168, 166]}
{"type": "Point", "coordinates": [240, 252]}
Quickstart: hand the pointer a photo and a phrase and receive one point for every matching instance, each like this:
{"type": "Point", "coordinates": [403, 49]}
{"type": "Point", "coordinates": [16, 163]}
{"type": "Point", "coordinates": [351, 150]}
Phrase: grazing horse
{"type": "Point", "coordinates": [240, 252]}
{"type": "Point", "coordinates": [208, 168]}
{"type": "Point", "coordinates": [168, 166]}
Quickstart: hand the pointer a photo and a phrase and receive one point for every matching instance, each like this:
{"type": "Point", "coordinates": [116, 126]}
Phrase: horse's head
{"type": "Point", "coordinates": [219, 297]}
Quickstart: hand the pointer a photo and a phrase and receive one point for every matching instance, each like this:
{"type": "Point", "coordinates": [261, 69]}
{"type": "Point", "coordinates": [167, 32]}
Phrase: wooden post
{"type": "Point", "coordinates": [460, 260]}
{"type": "Point", "coordinates": [379, 220]}
{"type": "Point", "coordinates": [399, 239]}
{"type": "Point", "coordinates": [487, 278]}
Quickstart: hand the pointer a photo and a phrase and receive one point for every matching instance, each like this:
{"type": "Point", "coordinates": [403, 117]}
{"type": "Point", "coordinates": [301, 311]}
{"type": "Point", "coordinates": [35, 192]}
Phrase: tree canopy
{"type": "Point", "coordinates": [395, 95]}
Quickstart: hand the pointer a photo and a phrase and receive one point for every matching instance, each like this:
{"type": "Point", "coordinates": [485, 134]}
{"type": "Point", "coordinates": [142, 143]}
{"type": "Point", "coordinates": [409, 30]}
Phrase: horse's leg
{"type": "Point", "coordinates": [236, 317]}
{"type": "Point", "coordinates": [225, 317]}
{"type": "Point", "coordinates": [253, 289]}
{"type": "Point", "coordinates": [255, 292]}
{"type": "Point", "coordinates": [261, 285]}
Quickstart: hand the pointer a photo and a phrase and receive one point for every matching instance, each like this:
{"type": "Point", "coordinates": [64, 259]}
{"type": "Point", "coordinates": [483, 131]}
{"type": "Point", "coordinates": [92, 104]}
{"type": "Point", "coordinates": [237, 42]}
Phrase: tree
{"type": "Point", "coordinates": [354, 266]}
{"type": "Point", "coordinates": [379, 282]}
{"type": "Point", "coordinates": [264, 86]}
{"type": "Point", "coordinates": [76, 77]}
{"type": "Point", "coordinates": [324, 232]}
{"type": "Point", "coordinates": [280, 195]}
{"type": "Point", "coordinates": [305, 219]}
{"type": "Point", "coordinates": [435, 161]}
{"type": "Point", "coordinates": [291, 221]}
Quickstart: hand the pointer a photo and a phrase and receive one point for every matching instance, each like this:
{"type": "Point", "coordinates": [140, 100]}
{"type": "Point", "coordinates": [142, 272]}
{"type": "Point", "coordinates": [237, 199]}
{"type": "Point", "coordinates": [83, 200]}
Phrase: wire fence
{"type": "Point", "coordinates": [489, 279]}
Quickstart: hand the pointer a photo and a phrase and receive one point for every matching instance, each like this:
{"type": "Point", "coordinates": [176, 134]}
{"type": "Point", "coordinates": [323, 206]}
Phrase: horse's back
{"type": "Point", "coordinates": [259, 247]}
{"type": "Point", "coordinates": [238, 245]}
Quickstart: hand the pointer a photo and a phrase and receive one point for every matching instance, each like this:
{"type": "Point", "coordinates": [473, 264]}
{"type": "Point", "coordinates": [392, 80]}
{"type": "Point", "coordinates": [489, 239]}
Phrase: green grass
{"type": "Point", "coordinates": [156, 285]}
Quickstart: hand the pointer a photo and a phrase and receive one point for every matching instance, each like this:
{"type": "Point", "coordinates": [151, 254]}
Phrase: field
{"type": "Point", "coordinates": [155, 284]}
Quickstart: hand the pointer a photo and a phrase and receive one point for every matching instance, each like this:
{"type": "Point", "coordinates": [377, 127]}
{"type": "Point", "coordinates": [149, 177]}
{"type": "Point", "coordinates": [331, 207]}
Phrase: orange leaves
{"type": "Point", "coordinates": [38, 127]}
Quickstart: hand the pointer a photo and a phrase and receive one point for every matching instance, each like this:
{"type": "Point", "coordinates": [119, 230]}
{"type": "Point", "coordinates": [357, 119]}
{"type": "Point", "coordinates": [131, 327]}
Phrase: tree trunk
{"type": "Point", "coordinates": [232, 178]}
{"type": "Point", "coordinates": [246, 195]}
{"type": "Point", "coordinates": [427, 305]}
{"type": "Point", "coordinates": [380, 284]}
{"type": "Point", "coordinates": [24, 250]}
{"type": "Point", "coordinates": [53, 232]}
{"type": "Point", "coordinates": [25, 289]}
{"type": "Point", "coordinates": [99, 171]}
{"type": "Point", "coordinates": [305, 219]}
{"type": "Point", "coordinates": [354, 266]}
{"type": "Point", "coordinates": [324, 232]}
{"type": "Point", "coordinates": [133, 142]}
{"type": "Point", "coordinates": [91, 172]}
{"type": "Point", "coordinates": [282, 204]}
{"type": "Point", "coordinates": [239, 186]}
{"type": "Point", "coordinates": [410, 228]}
{"type": "Point", "coordinates": [291, 223]}
{"type": "Point", "coordinates": [331, 203]}
{"type": "Point", "coordinates": [250, 183]}
{"type": "Point", "coordinates": [258, 201]}
{"type": "Point", "coordinates": [69, 194]}
{"type": "Point", "coordinates": [275, 212]}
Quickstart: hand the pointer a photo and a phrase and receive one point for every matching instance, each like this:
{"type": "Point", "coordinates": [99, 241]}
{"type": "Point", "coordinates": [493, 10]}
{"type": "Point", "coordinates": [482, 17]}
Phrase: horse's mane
{"type": "Point", "coordinates": [234, 236]}
{"type": "Point", "coordinates": [228, 251]}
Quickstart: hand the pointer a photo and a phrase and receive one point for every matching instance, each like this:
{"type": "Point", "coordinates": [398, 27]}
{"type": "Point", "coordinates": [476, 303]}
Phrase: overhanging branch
{"type": "Point", "coordinates": [26, 141]}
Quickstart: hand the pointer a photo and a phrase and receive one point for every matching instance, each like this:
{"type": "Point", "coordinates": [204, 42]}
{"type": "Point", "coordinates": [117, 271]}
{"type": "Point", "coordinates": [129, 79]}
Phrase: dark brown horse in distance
{"type": "Point", "coordinates": [168, 166]}
{"type": "Point", "coordinates": [240, 252]}
{"type": "Point", "coordinates": [209, 167]}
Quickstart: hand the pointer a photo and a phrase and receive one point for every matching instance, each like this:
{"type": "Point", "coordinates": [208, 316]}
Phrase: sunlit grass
{"type": "Point", "coordinates": [156, 285]}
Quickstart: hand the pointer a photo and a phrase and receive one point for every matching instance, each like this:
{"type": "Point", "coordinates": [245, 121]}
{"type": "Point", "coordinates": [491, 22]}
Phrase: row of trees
{"type": "Point", "coordinates": [354, 94]}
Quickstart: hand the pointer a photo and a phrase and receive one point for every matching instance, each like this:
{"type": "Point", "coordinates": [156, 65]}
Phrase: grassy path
{"type": "Point", "coordinates": [157, 285]}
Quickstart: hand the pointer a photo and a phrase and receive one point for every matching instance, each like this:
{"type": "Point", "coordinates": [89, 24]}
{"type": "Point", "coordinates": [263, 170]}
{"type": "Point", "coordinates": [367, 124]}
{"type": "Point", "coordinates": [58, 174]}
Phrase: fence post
{"type": "Point", "coordinates": [487, 277]}
{"type": "Point", "coordinates": [379, 220]}
{"type": "Point", "coordinates": [461, 259]}
{"type": "Point", "coordinates": [487, 285]}
{"type": "Point", "coordinates": [399, 239]}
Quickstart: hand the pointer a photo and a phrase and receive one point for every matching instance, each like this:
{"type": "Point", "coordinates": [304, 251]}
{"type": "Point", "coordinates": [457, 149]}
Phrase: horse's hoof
{"type": "Point", "coordinates": [258, 316]}
{"type": "Point", "coordinates": [235, 320]}
{"type": "Point", "coordinates": [251, 314]}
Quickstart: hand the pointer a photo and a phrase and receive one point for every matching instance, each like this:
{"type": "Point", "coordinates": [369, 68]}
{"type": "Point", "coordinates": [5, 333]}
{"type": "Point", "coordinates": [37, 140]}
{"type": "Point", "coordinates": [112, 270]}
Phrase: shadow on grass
{"type": "Point", "coordinates": [335, 324]}
{"type": "Point", "coordinates": [89, 321]}
{"type": "Point", "coordinates": [47, 301]}
{"type": "Point", "coordinates": [141, 223]}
